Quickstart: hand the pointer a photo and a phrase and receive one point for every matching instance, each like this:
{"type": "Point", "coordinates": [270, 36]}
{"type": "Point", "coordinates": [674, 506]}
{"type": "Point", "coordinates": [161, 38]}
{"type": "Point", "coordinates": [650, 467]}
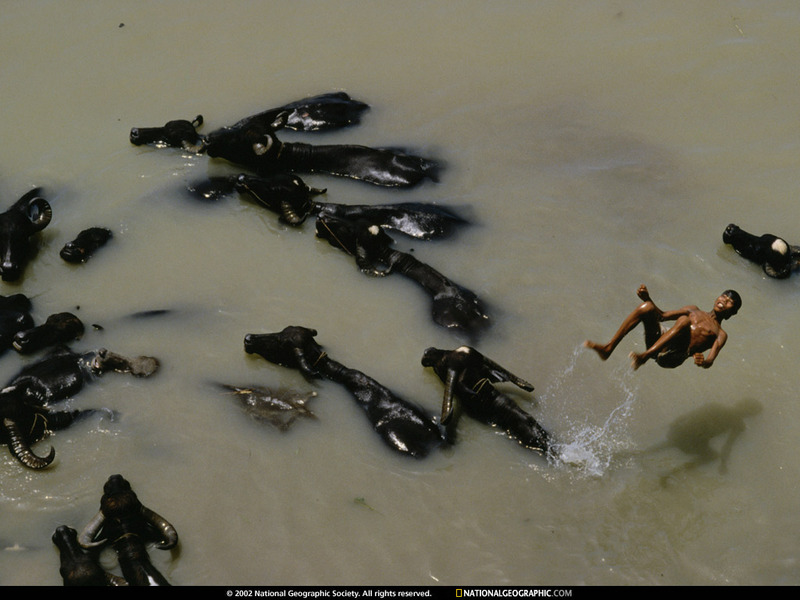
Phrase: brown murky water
{"type": "Point", "coordinates": [596, 146]}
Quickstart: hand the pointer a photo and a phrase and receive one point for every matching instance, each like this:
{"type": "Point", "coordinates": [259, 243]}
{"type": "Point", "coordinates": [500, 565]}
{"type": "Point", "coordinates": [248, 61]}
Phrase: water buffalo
{"type": "Point", "coordinates": [87, 242]}
{"type": "Point", "coordinates": [324, 112]}
{"type": "Point", "coordinates": [59, 328]}
{"type": "Point", "coordinates": [402, 425]}
{"type": "Point", "coordinates": [26, 401]}
{"type": "Point", "coordinates": [15, 316]}
{"type": "Point", "coordinates": [26, 217]}
{"type": "Point", "coordinates": [774, 255]}
{"type": "Point", "coordinates": [288, 196]}
{"type": "Point", "coordinates": [316, 113]}
{"type": "Point", "coordinates": [453, 307]}
{"type": "Point", "coordinates": [280, 407]}
{"type": "Point", "coordinates": [128, 525]}
{"type": "Point", "coordinates": [25, 423]}
{"type": "Point", "coordinates": [179, 133]}
{"type": "Point", "coordinates": [256, 146]}
{"type": "Point", "coordinates": [468, 376]}
{"type": "Point", "coordinates": [78, 566]}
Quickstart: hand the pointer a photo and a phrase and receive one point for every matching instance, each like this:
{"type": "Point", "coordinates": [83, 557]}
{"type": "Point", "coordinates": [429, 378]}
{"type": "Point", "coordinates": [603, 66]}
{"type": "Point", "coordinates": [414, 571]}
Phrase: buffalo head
{"type": "Point", "coordinates": [773, 254]}
{"type": "Point", "coordinates": [294, 348]}
{"type": "Point", "coordinates": [27, 216]}
{"type": "Point", "coordinates": [179, 133]}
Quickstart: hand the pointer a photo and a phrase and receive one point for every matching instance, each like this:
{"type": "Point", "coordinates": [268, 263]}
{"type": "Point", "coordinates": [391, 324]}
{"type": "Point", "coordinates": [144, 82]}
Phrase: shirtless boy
{"type": "Point", "coordinates": [694, 332]}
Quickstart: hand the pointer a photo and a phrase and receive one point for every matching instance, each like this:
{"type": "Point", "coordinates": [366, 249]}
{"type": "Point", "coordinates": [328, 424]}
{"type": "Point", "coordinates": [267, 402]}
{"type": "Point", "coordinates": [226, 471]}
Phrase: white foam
{"type": "Point", "coordinates": [586, 446]}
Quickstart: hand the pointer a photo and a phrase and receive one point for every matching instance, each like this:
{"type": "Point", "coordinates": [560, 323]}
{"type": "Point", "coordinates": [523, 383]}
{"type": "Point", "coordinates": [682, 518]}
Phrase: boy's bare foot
{"type": "Point", "coordinates": [600, 349]}
{"type": "Point", "coordinates": [637, 360]}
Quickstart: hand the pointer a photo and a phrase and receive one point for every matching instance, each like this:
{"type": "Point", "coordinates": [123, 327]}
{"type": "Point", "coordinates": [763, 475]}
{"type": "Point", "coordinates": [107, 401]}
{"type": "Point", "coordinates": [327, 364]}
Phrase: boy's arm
{"type": "Point", "coordinates": [671, 315]}
{"type": "Point", "coordinates": [706, 362]}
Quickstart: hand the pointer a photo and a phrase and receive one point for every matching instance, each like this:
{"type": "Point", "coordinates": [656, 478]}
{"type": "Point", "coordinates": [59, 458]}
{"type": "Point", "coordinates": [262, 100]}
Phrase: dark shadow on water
{"type": "Point", "coordinates": [693, 432]}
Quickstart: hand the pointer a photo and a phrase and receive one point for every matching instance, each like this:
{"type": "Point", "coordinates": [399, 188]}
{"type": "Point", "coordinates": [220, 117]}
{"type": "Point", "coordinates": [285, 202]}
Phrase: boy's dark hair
{"type": "Point", "coordinates": [737, 300]}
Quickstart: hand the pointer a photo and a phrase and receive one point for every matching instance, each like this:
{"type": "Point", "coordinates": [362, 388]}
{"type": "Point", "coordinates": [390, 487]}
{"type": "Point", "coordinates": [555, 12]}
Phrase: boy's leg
{"type": "Point", "coordinates": [647, 313]}
{"type": "Point", "coordinates": [680, 328]}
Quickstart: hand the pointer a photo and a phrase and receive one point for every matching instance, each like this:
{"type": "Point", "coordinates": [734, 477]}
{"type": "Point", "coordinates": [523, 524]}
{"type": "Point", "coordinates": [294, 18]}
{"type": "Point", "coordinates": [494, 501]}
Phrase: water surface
{"type": "Point", "coordinates": [596, 146]}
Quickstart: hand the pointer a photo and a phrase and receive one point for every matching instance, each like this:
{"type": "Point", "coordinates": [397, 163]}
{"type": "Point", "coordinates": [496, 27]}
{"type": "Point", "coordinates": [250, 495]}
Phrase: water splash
{"type": "Point", "coordinates": [589, 441]}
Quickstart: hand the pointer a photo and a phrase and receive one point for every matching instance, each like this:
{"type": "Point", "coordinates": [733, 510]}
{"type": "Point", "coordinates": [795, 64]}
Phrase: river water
{"type": "Point", "coordinates": [595, 146]}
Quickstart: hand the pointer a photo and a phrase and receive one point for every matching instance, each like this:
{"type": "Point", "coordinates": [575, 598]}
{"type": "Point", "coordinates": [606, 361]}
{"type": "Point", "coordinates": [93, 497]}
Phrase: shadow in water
{"type": "Point", "coordinates": [693, 433]}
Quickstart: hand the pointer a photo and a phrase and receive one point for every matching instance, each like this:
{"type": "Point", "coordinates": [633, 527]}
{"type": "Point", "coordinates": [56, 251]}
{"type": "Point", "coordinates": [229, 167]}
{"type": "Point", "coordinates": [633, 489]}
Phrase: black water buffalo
{"type": "Point", "coordinates": [468, 376]}
{"type": "Point", "coordinates": [324, 112]}
{"type": "Point", "coordinates": [59, 328]}
{"type": "Point", "coordinates": [256, 146]}
{"type": "Point", "coordinates": [252, 143]}
{"type": "Point", "coordinates": [78, 566]}
{"type": "Point", "coordinates": [315, 113]}
{"type": "Point", "coordinates": [15, 316]}
{"type": "Point", "coordinates": [403, 426]}
{"type": "Point", "coordinates": [87, 242]}
{"type": "Point", "coordinates": [128, 526]}
{"type": "Point", "coordinates": [774, 255]}
{"type": "Point", "coordinates": [288, 196]}
{"type": "Point", "coordinates": [26, 217]}
{"type": "Point", "coordinates": [26, 401]}
{"type": "Point", "coordinates": [179, 133]}
{"type": "Point", "coordinates": [454, 306]}
{"type": "Point", "coordinates": [25, 423]}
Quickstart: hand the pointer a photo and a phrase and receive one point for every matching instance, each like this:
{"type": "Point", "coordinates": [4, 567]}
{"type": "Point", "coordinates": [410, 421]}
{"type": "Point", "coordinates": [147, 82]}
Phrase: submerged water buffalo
{"type": "Point", "coordinates": [453, 307]}
{"type": "Point", "coordinates": [293, 201]}
{"type": "Point", "coordinates": [256, 146]}
{"type": "Point", "coordinates": [80, 567]}
{"type": "Point", "coordinates": [315, 113]}
{"type": "Point", "coordinates": [252, 143]}
{"type": "Point", "coordinates": [178, 133]}
{"type": "Point", "coordinates": [87, 242]}
{"type": "Point", "coordinates": [26, 401]}
{"type": "Point", "coordinates": [774, 255]}
{"type": "Point", "coordinates": [128, 526]}
{"type": "Point", "coordinates": [323, 112]}
{"type": "Point", "coordinates": [402, 425]}
{"type": "Point", "coordinates": [15, 316]}
{"type": "Point", "coordinates": [280, 407]}
{"type": "Point", "coordinates": [468, 376]}
{"type": "Point", "coordinates": [26, 217]}
{"type": "Point", "coordinates": [59, 328]}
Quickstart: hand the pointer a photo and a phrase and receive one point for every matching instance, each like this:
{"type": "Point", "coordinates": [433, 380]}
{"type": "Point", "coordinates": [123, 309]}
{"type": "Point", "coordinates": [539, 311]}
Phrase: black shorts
{"type": "Point", "coordinates": [669, 359]}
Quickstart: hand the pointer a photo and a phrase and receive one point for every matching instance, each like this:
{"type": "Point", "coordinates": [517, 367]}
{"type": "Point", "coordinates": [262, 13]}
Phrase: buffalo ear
{"type": "Point", "coordinates": [39, 213]}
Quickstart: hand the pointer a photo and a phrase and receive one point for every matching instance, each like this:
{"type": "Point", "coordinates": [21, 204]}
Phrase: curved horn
{"type": "Point", "coordinates": [39, 212]}
{"type": "Point", "coordinates": [165, 528]}
{"type": "Point", "coordinates": [91, 530]}
{"type": "Point", "coordinates": [261, 148]}
{"type": "Point", "coordinates": [291, 215]}
{"type": "Point", "coordinates": [20, 449]}
{"type": "Point", "coordinates": [502, 374]}
{"type": "Point", "coordinates": [448, 404]}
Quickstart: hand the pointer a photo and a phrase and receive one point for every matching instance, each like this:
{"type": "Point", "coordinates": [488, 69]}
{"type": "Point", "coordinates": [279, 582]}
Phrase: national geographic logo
{"type": "Point", "coordinates": [513, 593]}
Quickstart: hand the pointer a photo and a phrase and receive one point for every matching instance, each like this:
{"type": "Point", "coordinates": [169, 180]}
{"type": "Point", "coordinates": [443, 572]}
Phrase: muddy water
{"type": "Point", "coordinates": [595, 146]}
